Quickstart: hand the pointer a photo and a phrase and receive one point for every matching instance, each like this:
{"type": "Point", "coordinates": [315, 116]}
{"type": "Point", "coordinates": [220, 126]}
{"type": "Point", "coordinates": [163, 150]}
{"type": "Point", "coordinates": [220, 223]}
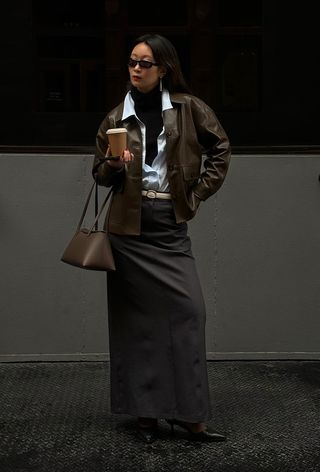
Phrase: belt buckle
{"type": "Point", "coordinates": [151, 194]}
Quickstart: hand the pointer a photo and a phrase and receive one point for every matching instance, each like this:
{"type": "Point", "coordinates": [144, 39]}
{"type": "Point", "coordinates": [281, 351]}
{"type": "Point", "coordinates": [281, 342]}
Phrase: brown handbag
{"type": "Point", "coordinates": [90, 248]}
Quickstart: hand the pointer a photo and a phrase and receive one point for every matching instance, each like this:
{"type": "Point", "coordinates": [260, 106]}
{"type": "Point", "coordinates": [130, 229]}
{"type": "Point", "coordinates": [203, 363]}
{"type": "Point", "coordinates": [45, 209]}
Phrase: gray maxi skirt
{"type": "Point", "coordinates": [157, 321]}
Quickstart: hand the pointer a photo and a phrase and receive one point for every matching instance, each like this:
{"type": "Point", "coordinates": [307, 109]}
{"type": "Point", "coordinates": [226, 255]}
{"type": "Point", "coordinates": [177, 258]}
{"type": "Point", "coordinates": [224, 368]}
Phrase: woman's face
{"type": "Point", "coordinates": [144, 79]}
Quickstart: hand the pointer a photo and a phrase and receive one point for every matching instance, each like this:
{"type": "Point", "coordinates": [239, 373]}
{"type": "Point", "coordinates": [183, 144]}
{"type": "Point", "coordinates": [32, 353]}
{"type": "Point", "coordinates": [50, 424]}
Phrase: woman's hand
{"type": "Point", "coordinates": [126, 158]}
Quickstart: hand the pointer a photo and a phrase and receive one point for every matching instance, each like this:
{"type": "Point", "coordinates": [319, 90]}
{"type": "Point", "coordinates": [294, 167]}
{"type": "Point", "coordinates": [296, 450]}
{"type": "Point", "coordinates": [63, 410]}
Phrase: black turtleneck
{"type": "Point", "coordinates": [148, 107]}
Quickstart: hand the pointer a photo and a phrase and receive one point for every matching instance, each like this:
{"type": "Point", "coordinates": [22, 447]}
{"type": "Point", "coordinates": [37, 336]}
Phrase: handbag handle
{"type": "Point", "coordinates": [97, 213]}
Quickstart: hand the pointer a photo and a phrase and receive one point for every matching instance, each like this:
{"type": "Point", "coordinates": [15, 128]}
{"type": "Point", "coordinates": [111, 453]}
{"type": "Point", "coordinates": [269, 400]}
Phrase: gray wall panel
{"type": "Point", "coordinates": [263, 284]}
{"type": "Point", "coordinates": [47, 307]}
{"type": "Point", "coordinates": [256, 243]}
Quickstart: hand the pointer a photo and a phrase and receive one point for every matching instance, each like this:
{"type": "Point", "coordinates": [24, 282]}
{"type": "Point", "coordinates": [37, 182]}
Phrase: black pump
{"type": "Point", "coordinates": [149, 433]}
{"type": "Point", "coordinates": [207, 435]}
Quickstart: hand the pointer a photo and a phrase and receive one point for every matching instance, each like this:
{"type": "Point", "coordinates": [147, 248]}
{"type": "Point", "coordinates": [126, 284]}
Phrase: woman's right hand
{"type": "Point", "coordinates": [126, 158]}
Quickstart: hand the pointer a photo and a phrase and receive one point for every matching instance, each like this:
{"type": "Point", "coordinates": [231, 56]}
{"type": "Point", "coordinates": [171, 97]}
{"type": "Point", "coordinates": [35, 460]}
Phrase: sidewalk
{"type": "Point", "coordinates": [55, 417]}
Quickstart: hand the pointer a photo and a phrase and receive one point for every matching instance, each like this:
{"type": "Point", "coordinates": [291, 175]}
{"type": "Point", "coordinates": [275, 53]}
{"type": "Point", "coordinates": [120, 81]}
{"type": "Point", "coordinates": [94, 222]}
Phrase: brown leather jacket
{"type": "Point", "coordinates": [193, 132]}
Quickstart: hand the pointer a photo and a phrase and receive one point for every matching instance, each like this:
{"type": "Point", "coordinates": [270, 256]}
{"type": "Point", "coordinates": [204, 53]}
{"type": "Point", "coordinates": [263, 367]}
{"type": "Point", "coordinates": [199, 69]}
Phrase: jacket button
{"type": "Point", "coordinates": [170, 167]}
{"type": "Point", "coordinates": [168, 134]}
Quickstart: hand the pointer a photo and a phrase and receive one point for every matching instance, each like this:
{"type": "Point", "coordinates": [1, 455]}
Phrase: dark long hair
{"type": "Point", "coordinates": [166, 55]}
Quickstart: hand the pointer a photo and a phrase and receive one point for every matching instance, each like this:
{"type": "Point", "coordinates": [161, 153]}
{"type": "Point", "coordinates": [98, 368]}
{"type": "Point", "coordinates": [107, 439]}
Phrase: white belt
{"type": "Point", "coordinates": [154, 194]}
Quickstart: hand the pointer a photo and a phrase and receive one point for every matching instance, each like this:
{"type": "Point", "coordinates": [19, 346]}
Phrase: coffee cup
{"type": "Point", "coordinates": [117, 138]}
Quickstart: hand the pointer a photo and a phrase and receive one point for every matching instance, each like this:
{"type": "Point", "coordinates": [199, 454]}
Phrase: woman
{"type": "Point", "coordinates": [155, 303]}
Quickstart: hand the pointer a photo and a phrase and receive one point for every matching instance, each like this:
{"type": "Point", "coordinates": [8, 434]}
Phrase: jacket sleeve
{"type": "Point", "coordinates": [216, 149]}
{"type": "Point", "coordinates": [103, 173]}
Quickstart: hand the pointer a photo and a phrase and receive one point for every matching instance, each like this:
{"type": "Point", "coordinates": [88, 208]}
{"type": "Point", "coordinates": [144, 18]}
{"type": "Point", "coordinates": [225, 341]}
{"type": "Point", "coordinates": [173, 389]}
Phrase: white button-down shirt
{"type": "Point", "coordinates": [153, 177]}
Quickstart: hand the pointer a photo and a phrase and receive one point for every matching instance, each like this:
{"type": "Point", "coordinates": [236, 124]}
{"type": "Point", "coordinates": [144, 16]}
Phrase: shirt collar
{"type": "Point", "coordinates": [128, 107]}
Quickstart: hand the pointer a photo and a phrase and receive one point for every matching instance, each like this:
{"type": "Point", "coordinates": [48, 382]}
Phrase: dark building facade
{"type": "Point", "coordinates": [255, 62]}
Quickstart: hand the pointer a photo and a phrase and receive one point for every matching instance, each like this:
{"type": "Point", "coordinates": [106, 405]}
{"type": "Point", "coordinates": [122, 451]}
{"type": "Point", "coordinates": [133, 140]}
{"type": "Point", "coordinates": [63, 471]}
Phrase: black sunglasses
{"type": "Point", "coordinates": [142, 64]}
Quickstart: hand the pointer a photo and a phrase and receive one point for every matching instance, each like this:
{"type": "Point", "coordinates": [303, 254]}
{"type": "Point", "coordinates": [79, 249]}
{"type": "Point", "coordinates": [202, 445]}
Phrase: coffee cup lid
{"type": "Point", "coordinates": [116, 130]}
